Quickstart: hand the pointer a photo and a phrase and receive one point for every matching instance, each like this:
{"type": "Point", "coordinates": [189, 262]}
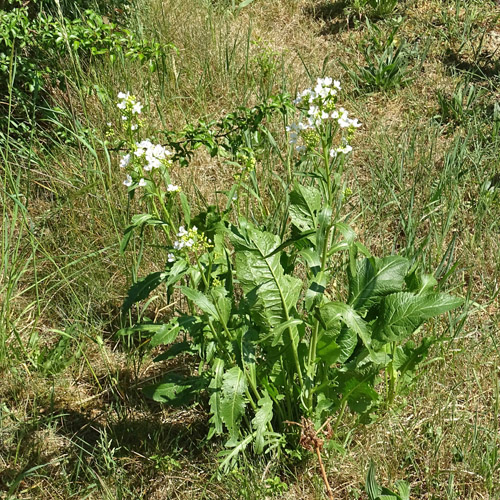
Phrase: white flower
{"type": "Point", "coordinates": [125, 161]}
{"type": "Point", "coordinates": [124, 118]}
{"type": "Point", "coordinates": [122, 95]}
{"type": "Point", "coordinates": [346, 149]}
{"type": "Point", "coordinates": [134, 127]}
{"type": "Point", "coordinates": [182, 232]}
{"type": "Point", "coordinates": [178, 245]}
{"type": "Point", "coordinates": [313, 111]}
{"type": "Point", "coordinates": [142, 182]}
{"type": "Point", "coordinates": [152, 162]}
{"type": "Point", "coordinates": [109, 124]}
{"type": "Point", "coordinates": [293, 138]}
{"type": "Point", "coordinates": [335, 114]}
{"type": "Point", "coordinates": [336, 84]}
{"type": "Point", "coordinates": [159, 151]}
{"type": "Point", "coordinates": [343, 121]}
{"type": "Point", "coordinates": [128, 181]}
{"type": "Point", "coordinates": [121, 105]}
{"type": "Point", "coordinates": [189, 243]}
{"type": "Point", "coordinates": [170, 257]}
{"type": "Point", "coordinates": [300, 149]}
{"type": "Point", "coordinates": [137, 108]}
{"type": "Point", "coordinates": [355, 123]}
{"type": "Point", "coordinates": [146, 144]}
{"type": "Point", "coordinates": [172, 188]}
{"type": "Point", "coordinates": [327, 81]}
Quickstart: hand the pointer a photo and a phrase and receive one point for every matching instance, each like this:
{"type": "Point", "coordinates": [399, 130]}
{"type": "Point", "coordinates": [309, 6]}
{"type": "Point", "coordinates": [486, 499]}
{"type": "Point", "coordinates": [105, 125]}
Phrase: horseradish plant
{"type": "Point", "coordinates": [277, 336]}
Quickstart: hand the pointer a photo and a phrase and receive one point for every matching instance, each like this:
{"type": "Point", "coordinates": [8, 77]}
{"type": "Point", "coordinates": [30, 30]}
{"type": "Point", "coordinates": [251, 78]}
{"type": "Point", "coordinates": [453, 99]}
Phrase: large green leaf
{"type": "Point", "coordinates": [141, 289]}
{"type": "Point", "coordinates": [334, 311]}
{"type": "Point", "coordinates": [233, 400]}
{"type": "Point", "coordinates": [402, 313]}
{"type": "Point", "coordinates": [270, 293]}
{"type": "Point", "coordinates": [327, 349]}
{"type": "Point", "coordinates": [216, 397]}
{"type": "Point", "coordinates": [304, 205]}
{"type": "Point", "coordinates": [359, 393]}
{"type": "Point", "coordinates": [347, 341]}
{"type": "Point", "coordinates": [201, 300]}
{"type": "Point", "coordinates": [262, 418]}
{"type": "Point", "coordinates": [175, 389]}
{"type": "Point", "coordinates": [166, 334]}
{"type": "Point", "coordinates": [375, 278]}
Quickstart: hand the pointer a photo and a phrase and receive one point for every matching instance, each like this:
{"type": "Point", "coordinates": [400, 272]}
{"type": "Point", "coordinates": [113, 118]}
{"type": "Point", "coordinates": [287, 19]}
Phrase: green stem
{"type": "Point", "coordinates": [340, 415]}
{"type": "Point", "coordinates": [205, 282]}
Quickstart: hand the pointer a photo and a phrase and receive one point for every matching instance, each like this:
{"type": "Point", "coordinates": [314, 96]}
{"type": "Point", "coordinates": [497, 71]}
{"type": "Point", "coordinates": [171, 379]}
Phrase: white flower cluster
{"type": "Point", "coordinates": [153, 154]}
{"type": "Point", "coordinates": [186, 238]}
{"type": "Point", "coordinates": [322, 92]}
{"type": "Point", "coordinates": [130, 107]}
{"type": "Point", "coordinates": [150, 156]}
{"type": "Point", "coordinates": [319, 105]}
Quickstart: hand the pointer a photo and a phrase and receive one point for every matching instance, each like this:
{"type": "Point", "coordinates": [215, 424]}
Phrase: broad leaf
{"type": "Point", "coordinates": [176, 389]}
{"type": "Point", "coordinates": [402, 313]}
{"type": "Point", "coordinates": [332, 311]}
{"type": "Point", "coordinates": [175, 350]}
{"type": "Point", "coordinates": [304, 204]}
{"type": "Point", "coordinates": [375, 278]}
{"type": "Point", "coordinates": [201, 300]}
{"type": "Point", "coordinates": [420, 283]}
{"type": "Point", "coordinates": [262, 417]}
{"type": "Point", "coordinates": [312, 259]}
{"type": "Point", "coordinates": [216, 398]}
{"type": "Point", "coordinates": [233, 401]}
{"type": "Point", "coordinates": [141, 289]}
{"type": "Point", "coordinates": [360, 395]}
{"type": "Point", "coordinates": [270, 293]}
{"type": "Point", "coordinates": [347, 341]}
{"type": "Point", "coordinates": [327, 349]}
{"type": "Point", "coordinates": [166, 334]}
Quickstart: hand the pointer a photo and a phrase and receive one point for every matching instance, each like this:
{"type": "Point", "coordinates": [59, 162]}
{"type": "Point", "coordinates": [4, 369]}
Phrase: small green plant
{"type": "Point", "coordinates": [378, 492]}
{"type": "Point", "coordinates": [387, 62]}
{"type": "Point", "coordinates": [462, 103]}
{"type": "Point", "coordinates": [371, 8]}
{"type": "Point", "coordinates": [279, 339]}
